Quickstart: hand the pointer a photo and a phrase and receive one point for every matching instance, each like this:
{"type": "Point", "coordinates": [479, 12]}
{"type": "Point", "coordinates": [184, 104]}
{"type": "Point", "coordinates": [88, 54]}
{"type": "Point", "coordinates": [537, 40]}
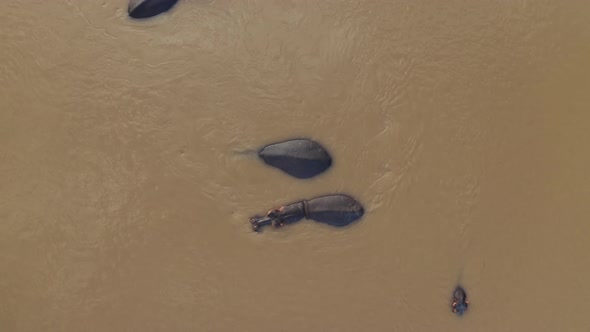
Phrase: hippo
{"type": "Point", "coordinates": [460, 302]}
{"type": "Point", "coordinates": [300, 158]}
{"type": "Point", "coordinates": [149, 8]}
{"type": "Point", "coordinates": [335, 210]}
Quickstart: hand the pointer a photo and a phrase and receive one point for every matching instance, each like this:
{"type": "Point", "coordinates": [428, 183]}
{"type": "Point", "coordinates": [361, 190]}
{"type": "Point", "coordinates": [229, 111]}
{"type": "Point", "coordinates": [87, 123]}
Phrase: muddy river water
{"type": "Point", "coordinates": [462, 127]}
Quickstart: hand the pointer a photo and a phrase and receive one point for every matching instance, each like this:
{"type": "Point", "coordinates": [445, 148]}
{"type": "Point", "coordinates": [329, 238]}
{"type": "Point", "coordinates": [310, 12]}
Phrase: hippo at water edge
{"type": "Point", "coordinates": [460, 302]}
{"type": "Point", "coordinates": [336, 210]}
{"type": "Point", "coordinates": [149, 8]}
{"type": "Point", "coordinates": [301, 158]}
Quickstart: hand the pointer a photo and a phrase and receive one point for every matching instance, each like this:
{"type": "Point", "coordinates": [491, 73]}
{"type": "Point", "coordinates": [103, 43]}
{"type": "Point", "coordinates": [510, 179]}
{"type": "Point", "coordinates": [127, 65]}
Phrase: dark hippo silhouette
{"type": "Point", "coordinates": [301, 158]}
{"type": "Point", "coordinates": [149, 8]}
{"type": "Point", "coordinates": [336, 210]}
{"type": "Point", "coordinates": [460, 302]}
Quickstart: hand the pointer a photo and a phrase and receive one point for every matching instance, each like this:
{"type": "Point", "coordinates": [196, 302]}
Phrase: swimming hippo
{"type": "Point", "coordinates": [149, 8]}
{"type": "Point", "coordinates": [460, 302]}
{"type": "Point", "coordinates": [336, 210]}
{"type": "Point", "coordinates": [301, 158]}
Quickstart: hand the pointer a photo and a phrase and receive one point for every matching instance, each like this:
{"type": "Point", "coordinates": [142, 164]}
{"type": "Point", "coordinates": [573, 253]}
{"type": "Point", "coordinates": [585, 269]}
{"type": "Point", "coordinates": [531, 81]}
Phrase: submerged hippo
{"type": "Point", "coordinates": [336, 210]}
{"type": "Point", "coordinates": [149, 8]}
{"type": "Point", "coordinates": [460, 302]}
{"type": "Point", "coordinates": [301, 158]}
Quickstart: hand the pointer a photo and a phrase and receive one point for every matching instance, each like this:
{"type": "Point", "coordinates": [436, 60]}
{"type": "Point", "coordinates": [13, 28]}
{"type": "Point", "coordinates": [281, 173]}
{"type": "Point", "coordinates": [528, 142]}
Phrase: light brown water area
{"type": "Point", "coordinates": [463, 127]}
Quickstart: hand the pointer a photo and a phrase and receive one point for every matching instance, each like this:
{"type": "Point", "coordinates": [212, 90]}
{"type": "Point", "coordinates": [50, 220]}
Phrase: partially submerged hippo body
{"type": "Point", "coordinates": [301, 158]}
{"type": "Point", "coordinates": [149, 8]}
{"type": "Point", "coordinates": [460, 302]}
{"type": "Point", "coordinates": [336, 210]}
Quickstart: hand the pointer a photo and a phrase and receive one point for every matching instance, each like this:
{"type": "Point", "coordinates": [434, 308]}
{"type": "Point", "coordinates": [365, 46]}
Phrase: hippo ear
{"type": "Point", "coordinates": [300, 158]}
{"type": "Point", "coordinates": [149, 8]}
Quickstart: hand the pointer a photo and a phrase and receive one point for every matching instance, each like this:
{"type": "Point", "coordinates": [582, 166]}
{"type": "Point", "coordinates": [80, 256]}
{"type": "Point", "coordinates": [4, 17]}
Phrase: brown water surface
{"type": "Point", "coordinates": [462, 126]}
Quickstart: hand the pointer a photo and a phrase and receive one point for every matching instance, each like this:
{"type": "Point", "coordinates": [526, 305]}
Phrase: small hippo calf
{"type": "Point", "coordinates": [460, 302]}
